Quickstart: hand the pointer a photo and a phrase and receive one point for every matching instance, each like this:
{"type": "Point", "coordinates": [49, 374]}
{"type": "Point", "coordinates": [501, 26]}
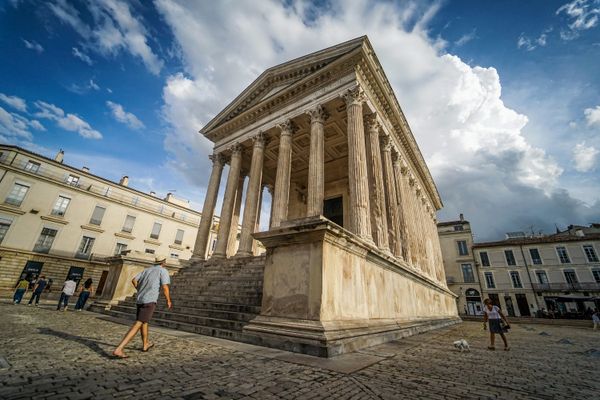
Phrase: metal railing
{"type": "Point", "coordinates": [563, 286]}
{"type": "Point", "coordinates": [103, 190]}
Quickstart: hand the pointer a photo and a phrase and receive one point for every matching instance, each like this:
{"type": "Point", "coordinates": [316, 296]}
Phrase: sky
{"type": "Point", "coordinates": [503, 97]}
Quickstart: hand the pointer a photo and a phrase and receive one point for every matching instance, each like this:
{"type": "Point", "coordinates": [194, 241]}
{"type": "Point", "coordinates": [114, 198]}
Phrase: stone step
{"type": "Point", "coordinates": [223, 307]}
{"type": "Point", "coordinates": [195, 311]}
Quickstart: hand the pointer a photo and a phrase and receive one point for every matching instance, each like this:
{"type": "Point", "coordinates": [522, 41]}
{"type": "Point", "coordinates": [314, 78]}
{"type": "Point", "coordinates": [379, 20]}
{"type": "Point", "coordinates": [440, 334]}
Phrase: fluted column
{"type": "Point", "coordinates": [316, 171]}
{"type": "Point", "coordinates": [252, 196]}
{"type": "Point", "coordinates": [258, 215]}
{"type": "Point", "coordinates": [402, 207]}
{"type": "Point", "coordinates": [208, 210]}
{"type": "Point", "coordinates": [379, 224]}
{"type": "Point", "coordinates": [391, 196]}
{"type": "Point", "coordinates": [281, 196]}
{"type": "Point", "coordinates": [360, 220]}
{"type": "Point", "coordinates": [235, 220]}
{"type": "Point", "coordinates": [228, 202]}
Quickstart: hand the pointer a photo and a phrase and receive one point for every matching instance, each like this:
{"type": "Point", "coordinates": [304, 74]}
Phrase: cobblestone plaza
{"type": "Point", "coordinates": [66, 355]}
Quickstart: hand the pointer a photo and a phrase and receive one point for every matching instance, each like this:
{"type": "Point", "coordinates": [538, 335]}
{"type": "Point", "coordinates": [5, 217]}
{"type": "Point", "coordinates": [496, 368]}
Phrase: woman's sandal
{"type": "Point", "coordinates": [491, 348]}
{"type": "Point", "coordinates": [506, 348]}
{"type": "Point", "coordinates": [148, 348]}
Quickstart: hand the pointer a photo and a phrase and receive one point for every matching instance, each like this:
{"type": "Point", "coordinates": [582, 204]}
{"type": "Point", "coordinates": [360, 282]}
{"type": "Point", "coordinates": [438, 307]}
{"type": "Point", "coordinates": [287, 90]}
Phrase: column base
{"type": "Point", "coordinates": [244, 253]}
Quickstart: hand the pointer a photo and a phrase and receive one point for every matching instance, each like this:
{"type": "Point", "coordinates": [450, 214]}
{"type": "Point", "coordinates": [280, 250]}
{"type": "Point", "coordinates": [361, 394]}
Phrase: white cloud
{"type": "Point", "coordinates": [582, 15]}
{"type": "Point", "coordinates": [592, 115]}
{"type": "Point", "coordinates": [16, 127]}
{"type": "Point", "coordinates": [83, 88]}
{"type": "Point", "coordinates": [529, 44]}
{"type": "Point", "coordinates": [15, 102]}
{"type": "Point", "coordinates": [67, 121]}
{"type": "Point", "coordinates": [123, 116]}
{"type": "Point", "coordinates": [82, 56]}
{"type": "Point", "coordinates": [584, 157]}
{"type": "Point", "coordinates": [473, 142]}
{"type": "Point", "coordinates": [464, 39]}
{"type": "Point", "coordinates": [33, 45]}
{"type": "Point", "coordinates": [114, 29]}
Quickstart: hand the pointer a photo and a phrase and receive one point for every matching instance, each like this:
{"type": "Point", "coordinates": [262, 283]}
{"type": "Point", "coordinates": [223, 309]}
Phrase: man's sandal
{"type": "Point", "coordinates": [491, 348]}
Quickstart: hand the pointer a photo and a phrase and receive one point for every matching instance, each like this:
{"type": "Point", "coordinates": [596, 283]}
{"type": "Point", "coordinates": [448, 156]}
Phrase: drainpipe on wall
{"type": "Point", "coordinates": [537, 303]}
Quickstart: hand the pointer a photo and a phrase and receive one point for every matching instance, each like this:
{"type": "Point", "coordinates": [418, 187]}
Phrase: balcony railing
{"type": "Point", "coordinates": [103, 190]}
{"type": "Point", "coordinates": [563, 286]}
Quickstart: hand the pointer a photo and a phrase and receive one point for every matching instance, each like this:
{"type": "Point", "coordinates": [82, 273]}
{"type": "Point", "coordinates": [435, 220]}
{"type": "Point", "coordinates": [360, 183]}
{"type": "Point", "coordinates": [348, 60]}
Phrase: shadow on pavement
{"type": "Point", "coordinates": [92, 344]}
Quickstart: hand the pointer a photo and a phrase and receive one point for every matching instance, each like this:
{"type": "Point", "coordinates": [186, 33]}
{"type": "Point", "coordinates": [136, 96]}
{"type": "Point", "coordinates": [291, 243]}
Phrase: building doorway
{"type": "Point", "coordinates": [523, 304]}
{"type": "Point", "coordinates": [76, 274]}
{"type": "Point", "coordinates": [473, 298]}
{"type": "Point", "coordinates": [102, 282]}
{"type": "Point", "coordinates": [333, 210]}
{"type": "Point", "coordinates": [33, 269]}
{"type": "Point", "coordinates": [510, 309]}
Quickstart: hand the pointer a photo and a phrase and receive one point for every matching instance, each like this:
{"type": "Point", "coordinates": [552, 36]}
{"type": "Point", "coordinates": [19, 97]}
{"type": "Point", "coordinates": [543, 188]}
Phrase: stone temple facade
{"type": "Point", "coordinates": [353, 256]}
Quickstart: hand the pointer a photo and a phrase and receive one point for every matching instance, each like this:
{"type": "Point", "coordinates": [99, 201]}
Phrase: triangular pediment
{"type": "Point", "coordinates": [276, 79]}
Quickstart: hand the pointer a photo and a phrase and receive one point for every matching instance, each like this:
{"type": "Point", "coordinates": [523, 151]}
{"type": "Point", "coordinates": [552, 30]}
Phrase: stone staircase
{"type": "Point", "coordinates": [214, 298]}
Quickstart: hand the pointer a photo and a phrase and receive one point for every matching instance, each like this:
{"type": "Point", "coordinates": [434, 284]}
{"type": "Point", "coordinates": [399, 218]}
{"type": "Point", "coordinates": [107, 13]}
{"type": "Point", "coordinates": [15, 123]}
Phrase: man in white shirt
{"type": "Point", "coordinates": [67, 291]}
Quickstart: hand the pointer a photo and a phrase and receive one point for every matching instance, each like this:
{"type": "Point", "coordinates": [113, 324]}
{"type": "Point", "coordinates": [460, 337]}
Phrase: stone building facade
{"type": "Point", "coordinates": [558, 273]}
{"type": "Point", "coordinates": [61, 221]}
{"type": "Point", "coordinates": [353, 256]}
{"type": "Point", "coordinates": [456, 240]}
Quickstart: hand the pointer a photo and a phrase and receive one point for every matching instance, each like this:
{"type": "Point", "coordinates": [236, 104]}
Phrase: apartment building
{"type": "Point", "coordinates": [558, 273]}
{"type": "Point", "coordinates": [62, 221]}
{"type": "Point", "coordinates": [456, 240]}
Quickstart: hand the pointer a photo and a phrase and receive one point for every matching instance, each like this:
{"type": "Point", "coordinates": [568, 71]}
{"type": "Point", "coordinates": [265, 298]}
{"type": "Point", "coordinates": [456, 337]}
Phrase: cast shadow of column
{"type": "Point", "coordinates": [92, 344]}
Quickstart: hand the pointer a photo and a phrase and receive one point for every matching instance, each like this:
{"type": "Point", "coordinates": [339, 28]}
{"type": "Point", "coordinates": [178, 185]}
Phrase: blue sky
{"type": "Point", "coordinates": [503, 97]}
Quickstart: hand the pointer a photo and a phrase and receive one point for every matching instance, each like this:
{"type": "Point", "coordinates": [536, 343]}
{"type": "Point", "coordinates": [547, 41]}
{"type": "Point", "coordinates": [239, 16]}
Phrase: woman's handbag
{"type": "Point", "coordinates": [504, 326]}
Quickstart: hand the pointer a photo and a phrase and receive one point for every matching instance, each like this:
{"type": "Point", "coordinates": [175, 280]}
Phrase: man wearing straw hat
{"type": "Point", "coordinates": [148, 284]}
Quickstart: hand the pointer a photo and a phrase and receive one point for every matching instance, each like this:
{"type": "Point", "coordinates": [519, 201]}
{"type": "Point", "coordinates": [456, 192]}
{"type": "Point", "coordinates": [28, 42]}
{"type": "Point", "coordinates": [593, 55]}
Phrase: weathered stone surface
{"type": "Point", "coordinates": [65, 356]}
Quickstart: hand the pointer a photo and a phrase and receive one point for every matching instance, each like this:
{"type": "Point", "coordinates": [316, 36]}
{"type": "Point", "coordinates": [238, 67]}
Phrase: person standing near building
{"type": "Point", "coordinates": [148, 284]}
{"type": "Point", "coordinates": [86, 291]}
{"type": "Point", "coordinates": [68, 289]}
{"type": "Point", "coordinates": [38, 289]}
{"type": "Point", "coordinates": [20, 290]}
{"type": "Point", "coordinates": [493, 316]}
{"type": "Point", "coordinates": [596, 318]}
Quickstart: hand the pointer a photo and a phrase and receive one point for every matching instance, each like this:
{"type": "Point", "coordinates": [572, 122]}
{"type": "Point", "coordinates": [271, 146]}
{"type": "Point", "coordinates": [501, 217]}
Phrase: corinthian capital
{"type": "Point", "coordinates": [386, 142]}
{"type": "Point", "coordinates": [287, 127]}
{"type": "Point", "coordinates": [372, 124]}
{"type": "Point", "coordinates": [354, 96]}
{"type": "Point", "coordinates": [217, 159]}
{"type": "Point", "coordinates": [260, 139]}
{"type": "Point", "coordinates": [318, 114]}
{"type": "Point", "coordinates": [236, 149]}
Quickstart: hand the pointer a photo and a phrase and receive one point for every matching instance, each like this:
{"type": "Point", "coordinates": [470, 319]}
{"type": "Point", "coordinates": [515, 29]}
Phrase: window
{"type": "Point", "coordinates": [570, 276]}
{"type": "Point", "coordinates": [174, 255]}
{"type": "Point", "coordinates": [510, 257]}
{"type": "Point", "coordinates": [156, 230]}
{"type": "Point", "coordinates": [458, 228]}
{"type": "Point", "coordinates": [97, 215]}
{"type": "Point", "coordinates": [149, 251]}
{"type": "Point", "coordinates": [485, 260]}
{"type": "Point", "coordinates": [179, 236]}
{"type": "Point", "coordinates": [541, 277]}
{"type": "Point", "coordinates": [516, 279]}
{"type": "Point", "coordinates": [85, 247]}
{"type": "Point", "coordinates": [462, 248]}
{"type": "Point", "coordinates": [4, 225]}
{"type": "Point", "coordinates": [535, 256]}
{"type": "Point", "coordinates": [32, 166]}
{"type": "Point", "coordinates": [17, 194]}
{"type": "Point", "coordinates": [563, 256]}
{"type": "Point", "coordinates": [590, 253]}
{"type": "Point", "coordinates": [489, 280]}
{"type": "Point", "coordinates": [45, 240]}
{"type": "Point", "coordinates": [596, 274]}
{"type": "Point", "coordinates": [73, 180]}
{"type": "Point", "coordinates": [467, 270]}
{"type": "Point", "coordinates": [128, 225]}
{"type": "Point", "coordinates": [60, 207]}
{"type": "Point", "coordinates": [120, 248]}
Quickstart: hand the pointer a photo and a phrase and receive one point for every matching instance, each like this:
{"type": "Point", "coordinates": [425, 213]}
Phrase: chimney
{"type": "Point", "coordinates": [461, 217]}
{"type": "Point", "coordinates": [85, 169]}
{"type": "Point", "coordinates": [152, 193]}
{"type": "Point", "coordinates": [60, 156]}
{"type": "Point", "coordinates": [169, 197]}
{"type": "Point", "coordinates": [579, 233]}
{"type": "Point", "coordinates": [124, 181]}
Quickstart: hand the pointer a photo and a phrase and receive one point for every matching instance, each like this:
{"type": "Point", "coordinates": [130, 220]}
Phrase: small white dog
{"type": "Point", "coordinates": [462, 345]}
